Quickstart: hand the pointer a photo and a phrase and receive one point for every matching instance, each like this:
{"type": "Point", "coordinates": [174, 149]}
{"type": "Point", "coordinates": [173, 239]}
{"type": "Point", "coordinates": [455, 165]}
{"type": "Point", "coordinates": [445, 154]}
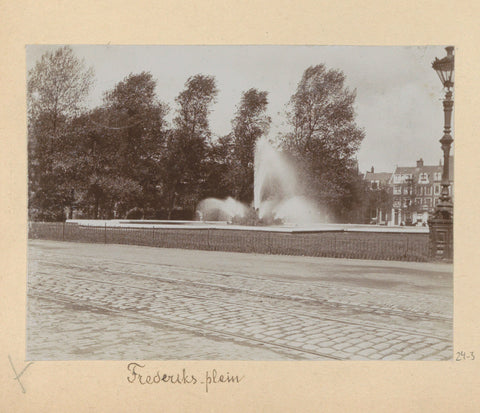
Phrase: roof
{"type": "Point", "coordinates": [428, 169]}
{"type": "Point", "coordinates": [405, 170]}
{"type": "Point", "coordinates": [378, 176]}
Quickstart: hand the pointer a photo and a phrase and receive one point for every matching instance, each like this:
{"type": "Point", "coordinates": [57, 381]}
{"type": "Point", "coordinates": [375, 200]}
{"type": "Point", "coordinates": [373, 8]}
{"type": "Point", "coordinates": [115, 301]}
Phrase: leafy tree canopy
{"type": "Point", "coordinates": [57, 86]}
{"type": "Point", "coordinates": [250, 123]}
{"type": "Point", "coordinates": [324, 136]}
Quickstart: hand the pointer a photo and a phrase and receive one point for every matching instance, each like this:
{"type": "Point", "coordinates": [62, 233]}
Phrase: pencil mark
{"type": "Point", "coordinates": [17, 376]}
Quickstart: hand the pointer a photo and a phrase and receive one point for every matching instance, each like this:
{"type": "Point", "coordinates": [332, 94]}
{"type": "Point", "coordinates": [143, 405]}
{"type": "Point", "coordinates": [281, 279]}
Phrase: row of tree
{"type": "Point", "coordinates": [124, 159]}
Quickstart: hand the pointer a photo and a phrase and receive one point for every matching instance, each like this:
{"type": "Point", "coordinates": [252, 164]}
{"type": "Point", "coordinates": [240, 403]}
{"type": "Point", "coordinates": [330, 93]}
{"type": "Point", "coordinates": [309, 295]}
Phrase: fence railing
{"type": "Point", "coordinates": [364, 245]}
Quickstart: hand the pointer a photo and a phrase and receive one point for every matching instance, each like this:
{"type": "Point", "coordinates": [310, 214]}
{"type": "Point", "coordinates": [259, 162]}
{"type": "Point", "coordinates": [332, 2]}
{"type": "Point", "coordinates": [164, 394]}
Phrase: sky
{"type": "Point", "coordinates": [399, 95]}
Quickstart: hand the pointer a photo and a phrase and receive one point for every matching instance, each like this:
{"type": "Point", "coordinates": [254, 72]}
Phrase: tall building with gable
{"type": "Point", "coordinates": [407, 196]}
{"type": "Point", "coordinates": [416, 191]}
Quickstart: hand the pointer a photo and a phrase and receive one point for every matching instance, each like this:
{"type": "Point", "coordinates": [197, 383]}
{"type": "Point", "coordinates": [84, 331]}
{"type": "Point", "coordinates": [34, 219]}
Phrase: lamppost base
{"type": "Point", "coordinates": [441, 236]}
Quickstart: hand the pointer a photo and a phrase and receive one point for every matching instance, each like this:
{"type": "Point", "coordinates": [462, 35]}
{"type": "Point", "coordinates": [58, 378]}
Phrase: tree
{"type": "Point", "coordinates": [219, 165]}
{"type": "Point", "coordinates": [100, 188]}
{"type": "Point", "coordinates": [250, 123]}
{"type": "Point", "coordinates": [188, 143]}
{"type": "Point", "coordinates": [136, 119]}
{"type": "Point", "coordinates": [56, 89]}
{"type": "Point", "coordinates": [57, 86]}
{"type": "Point", "coordinates": [324, 136]}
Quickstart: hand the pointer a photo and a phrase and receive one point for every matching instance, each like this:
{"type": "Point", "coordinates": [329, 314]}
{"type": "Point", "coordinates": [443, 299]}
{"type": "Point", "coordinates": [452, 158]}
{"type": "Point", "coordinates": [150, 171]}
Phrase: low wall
{"type": "Point", "coordinates": [341, 244]}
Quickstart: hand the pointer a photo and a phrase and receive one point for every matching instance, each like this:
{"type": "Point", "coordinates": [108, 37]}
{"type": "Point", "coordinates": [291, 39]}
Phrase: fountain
{"type": "Point", "coordinates": [276, 197]}
{"type": "Point", "coordinates": [279, 221]}
{"type": "Point", "coordinates": [213, 209]}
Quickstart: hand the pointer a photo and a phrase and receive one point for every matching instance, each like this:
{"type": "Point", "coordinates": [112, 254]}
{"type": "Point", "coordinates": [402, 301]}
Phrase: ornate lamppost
{"type": "Point", "coordinates": [441, 224]}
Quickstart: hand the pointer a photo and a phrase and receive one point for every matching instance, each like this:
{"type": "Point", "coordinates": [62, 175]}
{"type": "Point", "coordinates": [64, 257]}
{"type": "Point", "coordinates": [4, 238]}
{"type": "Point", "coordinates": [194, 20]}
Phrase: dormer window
{"type": "Point", "coordinates": [406, 178]}
{"type": "Point", "coordinates": [423, 178]}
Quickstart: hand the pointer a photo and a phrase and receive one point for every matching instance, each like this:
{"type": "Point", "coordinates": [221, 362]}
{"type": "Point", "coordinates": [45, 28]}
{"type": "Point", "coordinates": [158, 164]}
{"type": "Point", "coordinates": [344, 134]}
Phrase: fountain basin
{"type": "Point", "coordinates": [224, 225]}
{"type": "Point", "coordinates": [323, 240]}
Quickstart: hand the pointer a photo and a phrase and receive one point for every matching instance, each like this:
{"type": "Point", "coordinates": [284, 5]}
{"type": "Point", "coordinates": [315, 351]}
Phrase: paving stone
{"type": "Point", "coordinates": [356, 357]}
{"type": "Point", "coordinates": [341, 346]}
{"type": "Point", "coordinates": [310, 347]}
{"type": "Point", "coordinates": [382, 346]}
{"type": "Point", "coordinates": [391, 357]}
{"type": "Point", "coordinates": [426, 351]}
{"type": "Point", "coordinates": [440, 346]}
{"type": "Point", "coordinates": [367, 352]}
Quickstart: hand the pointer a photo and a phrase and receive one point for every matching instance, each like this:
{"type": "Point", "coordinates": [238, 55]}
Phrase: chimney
{"type": "Point", "coordinates": [373, 170]}
{"type": "Point", "coordinates": [420, 163]}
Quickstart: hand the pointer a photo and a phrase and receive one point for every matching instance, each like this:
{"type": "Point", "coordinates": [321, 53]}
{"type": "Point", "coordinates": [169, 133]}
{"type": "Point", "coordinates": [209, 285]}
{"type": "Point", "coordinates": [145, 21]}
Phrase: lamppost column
{"type": "Point", "coordinates": [446, 142]}
{"type": "Point", "coordinates": [441, 224]}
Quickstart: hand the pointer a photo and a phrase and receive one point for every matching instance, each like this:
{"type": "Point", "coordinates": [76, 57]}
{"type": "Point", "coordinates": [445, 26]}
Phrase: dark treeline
{"type": "Point", "coordinates": [123, 159]}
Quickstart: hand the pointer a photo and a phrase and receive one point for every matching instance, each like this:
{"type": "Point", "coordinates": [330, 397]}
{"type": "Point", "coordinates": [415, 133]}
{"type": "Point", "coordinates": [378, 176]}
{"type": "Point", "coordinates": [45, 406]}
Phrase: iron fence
{"type": "Point", "coordinates": [341, 244]}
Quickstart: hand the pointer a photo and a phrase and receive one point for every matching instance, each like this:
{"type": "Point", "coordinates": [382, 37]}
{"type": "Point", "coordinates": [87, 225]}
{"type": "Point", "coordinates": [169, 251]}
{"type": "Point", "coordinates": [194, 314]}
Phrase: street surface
{"type": "Point", "coordinates": [123, 302]}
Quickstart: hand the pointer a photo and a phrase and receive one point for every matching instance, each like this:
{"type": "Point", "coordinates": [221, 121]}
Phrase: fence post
{"type": "Point", "coordinates": [63, 231]}
{"type": "Point", "coordinates": [105, 234]}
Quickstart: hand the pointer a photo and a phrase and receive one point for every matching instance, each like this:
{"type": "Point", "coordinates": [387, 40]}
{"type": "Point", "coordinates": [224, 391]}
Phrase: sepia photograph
{"type": "Point", "coordinates": [240, 202]}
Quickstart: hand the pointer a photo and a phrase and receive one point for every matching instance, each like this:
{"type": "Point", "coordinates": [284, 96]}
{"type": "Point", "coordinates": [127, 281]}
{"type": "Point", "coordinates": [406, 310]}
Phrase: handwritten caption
{"type": "Point", "coordinates": [140, 374]}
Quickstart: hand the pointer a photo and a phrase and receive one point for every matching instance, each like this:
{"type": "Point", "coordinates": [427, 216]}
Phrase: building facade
{"type": "Point", "coordinates": [379, 199]}
{"type": "Point", "coordinates": [415, 192]}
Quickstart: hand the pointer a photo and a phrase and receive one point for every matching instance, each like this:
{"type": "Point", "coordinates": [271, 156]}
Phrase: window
{"type": "Point", "coordinates": [438, 176]}
{"type": "Point", "coordinates": [428, 190]}
{"type": "Point", "coordinates": [418, 201]}
{"type": "Point", "coordinates": [374, 184]}
{"type": "Point", "coordinates": [396, 202]}
{"type": "Point", "coordinates": [419, 190]}
{"type": "Point", "coordinates": [397, 190]}
{"type": "Point", "coordinates": [423, 178]}
{"type": "Point", "coordinates": [405, 190]}
{"type": "Point", "coordinates": [437, 189]}
{"type": "Point", "coordinates": [428, 202]}
{"type": "Point", "coordinates": [397, 179]}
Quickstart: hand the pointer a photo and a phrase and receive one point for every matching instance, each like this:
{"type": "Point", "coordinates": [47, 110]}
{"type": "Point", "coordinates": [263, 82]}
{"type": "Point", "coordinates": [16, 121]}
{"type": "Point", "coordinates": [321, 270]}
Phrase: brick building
{"type": "Point", "coordinates": [379, 208]}
{"type": "Point", "coordinates": [414, 192]}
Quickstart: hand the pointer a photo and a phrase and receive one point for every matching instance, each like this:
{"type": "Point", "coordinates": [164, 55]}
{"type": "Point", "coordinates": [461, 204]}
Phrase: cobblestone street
{"type": "Point", "coordinates": [94, 301]}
